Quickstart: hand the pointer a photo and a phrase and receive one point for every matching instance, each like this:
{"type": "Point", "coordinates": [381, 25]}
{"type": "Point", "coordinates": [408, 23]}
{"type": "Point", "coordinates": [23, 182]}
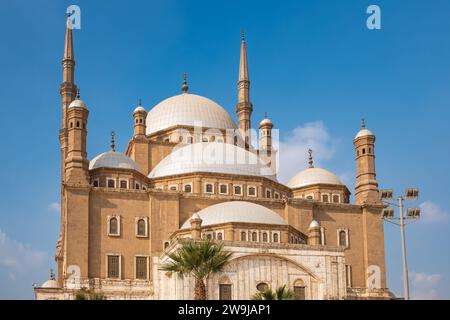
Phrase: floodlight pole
{"type": "Point", "coordinates": [405, 265]}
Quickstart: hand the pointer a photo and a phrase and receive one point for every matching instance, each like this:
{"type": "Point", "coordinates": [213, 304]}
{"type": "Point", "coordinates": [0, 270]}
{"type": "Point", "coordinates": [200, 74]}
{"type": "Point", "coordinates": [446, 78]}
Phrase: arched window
{"type": "Point", "coordinates": [343, 238]}
{"type": "Point", "coordinates": [254, 236]}
{"type": "Point", "coordinates": [188, 188]}
{"type": "Point", "coordinates": [219, 236]}
{"type": "Point", "coordinates": [299, 290]}
{"type": "Point", "coordinates": [252, 191]}
{"type": "Point", "coordinates": [237, 190]}
{"type": "Point", "coordinates": [113, 226]}
{"type": "Point", "coordinates": [243, 236]}
{"type": "Point", "coordinates": [209, 188]}
{"type": "Point", "coordinates": [225, 289]}
{"type": "Point", "coordinates": [275, 237]}
{"type": "Point", "coordinates": [141, 228]}
{"type": "Point", "coordinates": [336, 198]}
{"type": "Point", "coordinates": [325, 198]}
{"type": "Point", "coordinates": [264, 237]}
{"type": "Point", "coordinates": [224, 189]}
{"type": "Point", "coordinates": [363, 151]}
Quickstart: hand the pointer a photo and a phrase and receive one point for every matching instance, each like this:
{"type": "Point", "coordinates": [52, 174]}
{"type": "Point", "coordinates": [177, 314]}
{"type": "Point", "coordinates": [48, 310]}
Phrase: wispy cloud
{"type": "Point", "coordinates": [16, 256]}
{"type": "Point", "coordinates": [20, 266]}
{"type": "Point", "coordinates": [424, 286]}
{"type": "Point", "coordinates": [54, 206]}
{"type": "Point", "coordinates": [293, 148]}
{"type": "Point", "coordinates": [433, 213]}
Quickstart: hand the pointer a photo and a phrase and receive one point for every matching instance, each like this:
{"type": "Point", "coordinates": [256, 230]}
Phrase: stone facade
{"type": "Point", "coordinates": [118, 223]}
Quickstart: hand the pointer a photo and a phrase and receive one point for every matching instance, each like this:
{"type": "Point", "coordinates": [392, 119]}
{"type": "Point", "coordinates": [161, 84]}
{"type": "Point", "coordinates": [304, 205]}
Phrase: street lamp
{"type": "Point", "coordinates": [412, 215]}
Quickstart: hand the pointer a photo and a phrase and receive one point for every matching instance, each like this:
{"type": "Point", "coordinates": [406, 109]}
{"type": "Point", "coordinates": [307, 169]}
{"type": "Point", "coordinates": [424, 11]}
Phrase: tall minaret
{"type": "Point", "coordinates": [68, 91]}
{"type": "Point", "coordinates": [244, 107]}
{"type": "Point", "coordinates": [366, 188]}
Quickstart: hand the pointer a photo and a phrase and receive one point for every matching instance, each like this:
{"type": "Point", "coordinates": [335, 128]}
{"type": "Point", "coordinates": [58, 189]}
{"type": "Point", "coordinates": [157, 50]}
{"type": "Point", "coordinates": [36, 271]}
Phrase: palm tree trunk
{"type": "Point", "coordinates": [200, 290]}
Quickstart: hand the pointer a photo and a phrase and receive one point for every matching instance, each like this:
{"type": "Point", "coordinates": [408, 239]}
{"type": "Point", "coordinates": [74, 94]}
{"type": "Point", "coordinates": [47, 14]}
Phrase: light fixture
{"type": "Point", "coordinates": [412, 193]}
{"type": "Point", "coordinates": [386, 194]}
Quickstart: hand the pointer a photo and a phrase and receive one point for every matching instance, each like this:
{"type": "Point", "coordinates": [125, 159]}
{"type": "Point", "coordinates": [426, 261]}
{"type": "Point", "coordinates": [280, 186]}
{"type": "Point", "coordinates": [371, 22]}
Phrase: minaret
{"type": "Point", "coordinates": [77, 165]}
{"type": "Point", "coordinates": [366, 188]}
{"type": "Point", "coordinates": [68, 91]}
{"type": "Point", "coordinates": [265, 134]}
{"type": "Point", "coordinates": [244, 107]}
{"type": "Point", "coordinates": [139, 116]}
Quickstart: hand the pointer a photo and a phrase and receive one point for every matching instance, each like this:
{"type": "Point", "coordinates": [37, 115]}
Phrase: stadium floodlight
{"type": "Point", "coordinates": [388, 213]}
{"type": "Point", "coordinates": [412, 193]}
{"type": "Point", "coordinates": [386, 194]}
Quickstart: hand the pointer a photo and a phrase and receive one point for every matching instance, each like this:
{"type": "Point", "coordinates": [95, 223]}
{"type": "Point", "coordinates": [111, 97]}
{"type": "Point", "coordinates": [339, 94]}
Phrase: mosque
{"type": "Point", "coordinates": [190, 172]}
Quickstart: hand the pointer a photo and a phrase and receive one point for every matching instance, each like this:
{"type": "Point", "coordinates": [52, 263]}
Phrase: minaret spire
{"type": "Point", "coordinates": [244, 107]}
{"type": "Point", "coordinates": [68, 88]}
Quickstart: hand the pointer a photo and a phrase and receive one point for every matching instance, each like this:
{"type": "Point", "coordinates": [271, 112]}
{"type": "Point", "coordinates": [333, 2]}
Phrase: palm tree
{"type": "Point", "coordinates": [198, 259]}
{"type": "Point", "coordinates": [280, 294]}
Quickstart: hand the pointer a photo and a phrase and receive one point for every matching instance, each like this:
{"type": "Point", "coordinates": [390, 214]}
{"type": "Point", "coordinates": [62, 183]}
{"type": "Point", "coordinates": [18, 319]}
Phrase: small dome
{"type": "Point", "coordinates": [139, 108]}
{"type": "Point", "coordinates": [313, 176]}
{"type": "Point", "coordinates": [363, 132]}
{"type": "Point", "coordinates": [195, 216]}
{"type": "Point", "coordinates": [215, 157]}
{"type": "Point", "coordinates": [77, 104]}
{"type": "Point", "coordinates": [113, 159]}
{"type": "Point", "coordinates": [265, 122]}
{"type": "Point", "coordinates": [50, 284]}
{"type": "Point", "coordinates": [188, 110]}
{"type": "Point", "coordinates": [314, 224]}
{"type": "Point", "coordinates": [237, 211]}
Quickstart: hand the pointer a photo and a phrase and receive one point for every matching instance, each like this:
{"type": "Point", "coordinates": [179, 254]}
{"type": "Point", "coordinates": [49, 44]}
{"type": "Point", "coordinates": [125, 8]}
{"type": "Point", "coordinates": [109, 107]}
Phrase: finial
{"type": "Point", "coordinates": [184, 87]}
{"type": "Point", "coordinates": [113, 142]}
{"type": "Point", "coordinates": [363, 123]}
{"type": "Point", "coordinates": [52, 275]}
{"type": "Point", "coordinates": [310, 160]}
{"type": "Point", "coordinates": [243, 35]}
{"type": "Point", "coordinates": [78, 94]}
{"type": "Point", "coordinates": [265, 115]}
{"type": "Point", "coordinates": [140, 102]}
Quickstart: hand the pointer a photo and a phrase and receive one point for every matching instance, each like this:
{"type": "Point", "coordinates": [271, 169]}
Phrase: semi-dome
{"type": "Point", "coordinates": [313, 176]}
{"type": "Point", "coordinates": [211, 157]}
{"type": "Point", "coordinates": [77, 104]}
{"type": "Point", "coordinates": [238, 212]}
{"type": "Point", "coordinates": [188, 110]}
{"type": "Point", "coordinates": [50, 284]}
{"type": "Point", "coordinates": [113, 159]}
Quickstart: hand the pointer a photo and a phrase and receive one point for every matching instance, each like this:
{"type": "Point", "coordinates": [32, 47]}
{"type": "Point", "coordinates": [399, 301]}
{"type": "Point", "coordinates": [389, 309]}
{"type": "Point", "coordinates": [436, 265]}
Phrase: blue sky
{"type": "Point", "coordinates": [314, 67]}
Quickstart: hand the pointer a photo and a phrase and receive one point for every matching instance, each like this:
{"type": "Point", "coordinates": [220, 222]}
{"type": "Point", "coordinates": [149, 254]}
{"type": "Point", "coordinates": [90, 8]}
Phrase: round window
{"type": "Point", "coordinates": [261, 287]}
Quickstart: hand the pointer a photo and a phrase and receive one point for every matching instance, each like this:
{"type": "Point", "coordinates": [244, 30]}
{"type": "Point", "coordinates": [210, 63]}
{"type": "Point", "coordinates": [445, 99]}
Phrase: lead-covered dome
{"type": "Point", "coordinates": [188, 110]}
{"type": "Point", "coordinates": [113, 159]}
{"type": "Point", "coordinates": [211, 157]}
{"type": "Point", "coordinates": [238, 212]}
{"type": "Point", "coordinates": [312, 176]}
{"type": "Point", "coordinates": [78, 103]}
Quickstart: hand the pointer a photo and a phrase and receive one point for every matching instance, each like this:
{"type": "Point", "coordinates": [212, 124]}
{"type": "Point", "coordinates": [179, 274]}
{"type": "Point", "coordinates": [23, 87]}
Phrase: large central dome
{"type": "Point", "coordinates": [188, 110]}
